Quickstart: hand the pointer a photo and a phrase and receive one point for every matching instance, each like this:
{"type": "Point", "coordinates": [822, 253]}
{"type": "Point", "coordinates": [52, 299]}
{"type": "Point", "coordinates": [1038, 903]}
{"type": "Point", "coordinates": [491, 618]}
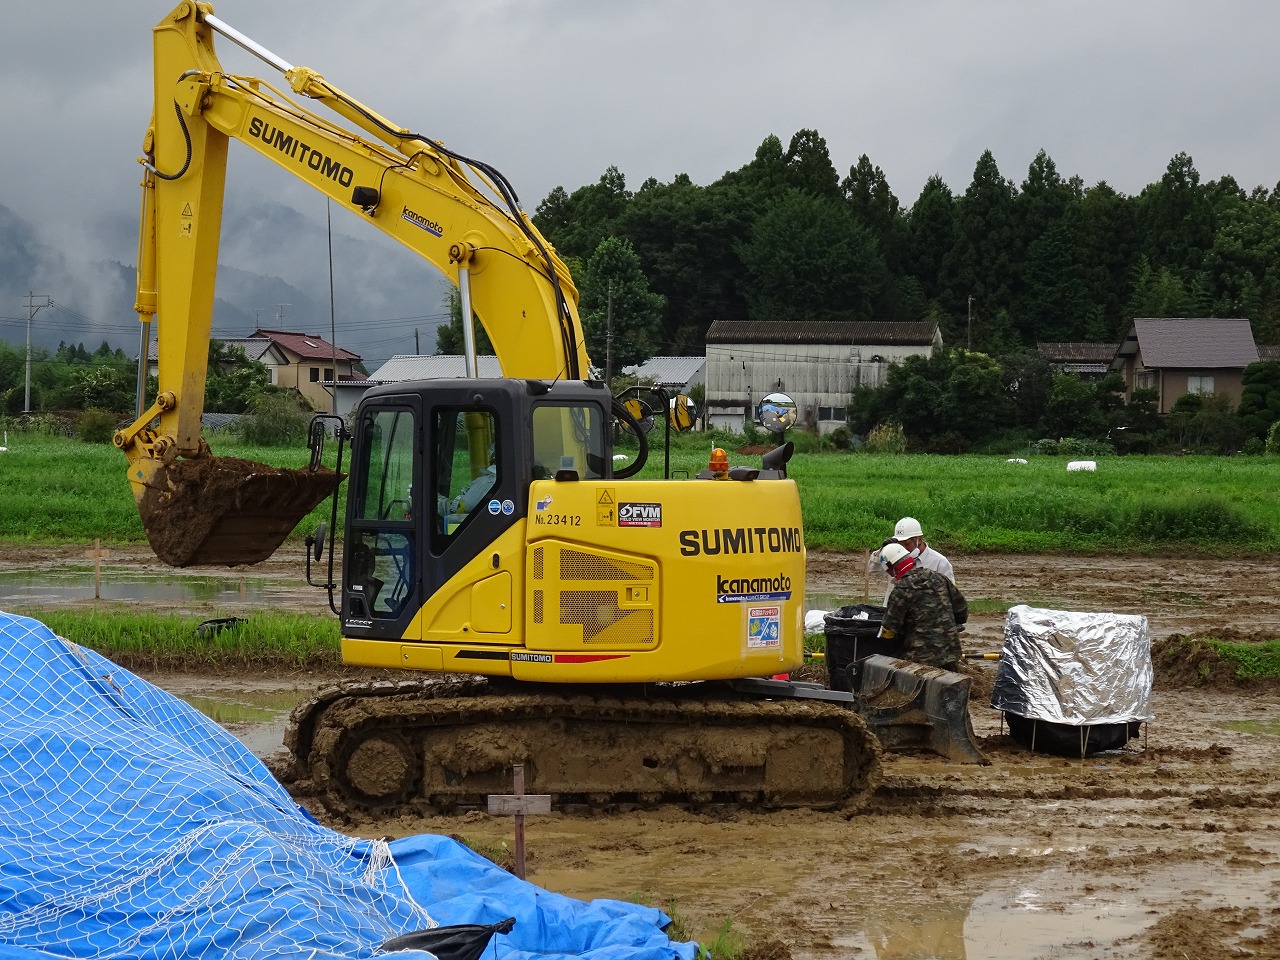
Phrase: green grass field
{"type": "Point", "coordinates": [55, 490]}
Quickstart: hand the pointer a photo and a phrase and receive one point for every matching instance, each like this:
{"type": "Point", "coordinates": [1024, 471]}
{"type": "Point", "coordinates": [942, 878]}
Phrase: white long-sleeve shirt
{"type": "Point", "coordinates": [930, 559]}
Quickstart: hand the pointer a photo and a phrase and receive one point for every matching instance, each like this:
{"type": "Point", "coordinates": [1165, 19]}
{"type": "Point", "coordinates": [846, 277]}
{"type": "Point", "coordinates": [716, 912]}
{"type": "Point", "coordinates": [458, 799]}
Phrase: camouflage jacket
{"type": "Point", "coordinates": [925, 612]}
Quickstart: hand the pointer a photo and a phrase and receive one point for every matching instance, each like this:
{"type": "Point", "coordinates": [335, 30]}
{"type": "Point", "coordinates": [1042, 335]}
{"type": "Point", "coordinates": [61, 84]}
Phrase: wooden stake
{"type": "Point", "coordinates": [97, 555]}
{"type": "Point", "coordinates": [518, 805]}
{"type": "Point", "coordinates": [866, 578]}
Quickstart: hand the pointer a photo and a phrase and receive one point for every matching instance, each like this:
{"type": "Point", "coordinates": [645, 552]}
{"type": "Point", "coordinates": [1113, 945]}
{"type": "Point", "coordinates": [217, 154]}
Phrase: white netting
{"type": "Point", "coordinates": [132, 826]}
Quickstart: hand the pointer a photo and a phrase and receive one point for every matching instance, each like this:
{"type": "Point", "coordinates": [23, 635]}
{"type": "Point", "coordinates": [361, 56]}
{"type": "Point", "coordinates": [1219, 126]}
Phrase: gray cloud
{"type": "Point", "coordinates": [552, 92]}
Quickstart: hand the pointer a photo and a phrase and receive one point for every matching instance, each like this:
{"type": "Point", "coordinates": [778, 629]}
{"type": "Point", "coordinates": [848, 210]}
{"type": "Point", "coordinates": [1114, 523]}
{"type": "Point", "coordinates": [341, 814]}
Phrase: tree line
{"type": "Point", "coordinates": [959, 401]}
{"type": "Point", "coordinates": [75, 378]}
{"type": "Point", "coordinates": [1000, 267]}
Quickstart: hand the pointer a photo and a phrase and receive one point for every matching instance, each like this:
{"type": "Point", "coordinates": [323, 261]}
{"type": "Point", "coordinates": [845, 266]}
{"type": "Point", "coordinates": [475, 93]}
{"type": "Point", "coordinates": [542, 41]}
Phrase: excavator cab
{"type": "Point", "coordinates": [440, 475]}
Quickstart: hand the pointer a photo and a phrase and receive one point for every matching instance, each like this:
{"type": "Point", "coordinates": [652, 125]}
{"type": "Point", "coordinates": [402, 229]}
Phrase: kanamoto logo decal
{"type": "Point", "coordinates": [639, 514]}
{"type": "Point", "coordinates": [418, 220]}
{"type": "Point", "coordinates": [752, 589]}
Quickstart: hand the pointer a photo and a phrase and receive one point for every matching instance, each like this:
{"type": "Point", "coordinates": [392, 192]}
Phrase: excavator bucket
{"type": "Point", "coordinates": [222, 510]}
{"type": "Point", "coordinates": [912, 706]}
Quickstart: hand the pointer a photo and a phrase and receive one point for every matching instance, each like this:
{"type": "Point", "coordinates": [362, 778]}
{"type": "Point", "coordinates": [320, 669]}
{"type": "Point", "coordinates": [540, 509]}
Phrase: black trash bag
{"type": "Point", "coordinates": [461, 941]}
{"type": "Point", "coordinates": [850, 639]}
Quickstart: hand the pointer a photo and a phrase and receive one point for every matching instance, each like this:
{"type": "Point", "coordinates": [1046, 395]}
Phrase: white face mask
{"type": "Point", "coordinates": [914, 553]}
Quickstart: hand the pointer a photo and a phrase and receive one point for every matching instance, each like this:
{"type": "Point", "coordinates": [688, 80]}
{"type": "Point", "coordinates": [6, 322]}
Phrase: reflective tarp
{"type": "Point", "coordinates": [1074, 668]}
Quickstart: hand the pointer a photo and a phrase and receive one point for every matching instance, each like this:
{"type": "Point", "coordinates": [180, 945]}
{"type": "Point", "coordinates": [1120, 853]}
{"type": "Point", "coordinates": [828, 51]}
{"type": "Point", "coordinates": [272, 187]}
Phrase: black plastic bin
{"type": "Point", "coordinates": [1065, 740]}
{"type": "Point", "coordinates": [850, 640]}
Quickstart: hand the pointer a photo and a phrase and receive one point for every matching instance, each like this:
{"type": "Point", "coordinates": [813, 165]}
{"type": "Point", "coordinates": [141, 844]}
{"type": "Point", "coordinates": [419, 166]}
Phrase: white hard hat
{"type": "Point", "coordinates": [891, 553]}
{"type": "Point", "coordinates": [906, 528]}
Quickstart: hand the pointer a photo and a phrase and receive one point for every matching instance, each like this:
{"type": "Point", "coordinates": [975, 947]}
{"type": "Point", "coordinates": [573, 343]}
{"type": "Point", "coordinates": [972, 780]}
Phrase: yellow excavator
{"type": "Point", "coordinates": [614, 635]}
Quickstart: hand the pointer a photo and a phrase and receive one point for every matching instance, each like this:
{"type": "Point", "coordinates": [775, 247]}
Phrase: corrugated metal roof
{"type": "Point", "coordinates": [1078, 352]}
{"type": "Point", "coordinates": [665, 371]}
{"type": "Point", "coordinates": [852, 332]}
{"type": "Point", "coordinates": [1196, 343]}
{"type": "Point", "coordinates": [407, 366]}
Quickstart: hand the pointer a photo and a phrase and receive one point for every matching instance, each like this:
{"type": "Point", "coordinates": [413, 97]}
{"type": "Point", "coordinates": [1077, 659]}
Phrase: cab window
{"type": "Point", "coordinates": [465, 466]}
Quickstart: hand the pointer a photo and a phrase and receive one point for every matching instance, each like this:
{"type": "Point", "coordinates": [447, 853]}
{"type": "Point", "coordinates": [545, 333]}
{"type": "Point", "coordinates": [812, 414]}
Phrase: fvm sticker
{"type": "Point", "coordinates": [764, 627]}
{"type": "Point", "coordinates": [495, 507]}
{"type": "Point", "coordinates": [639, 514]}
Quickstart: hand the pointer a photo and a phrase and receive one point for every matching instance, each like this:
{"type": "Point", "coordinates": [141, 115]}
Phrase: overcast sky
{"type": "Point", "coordinates": [552, 92]}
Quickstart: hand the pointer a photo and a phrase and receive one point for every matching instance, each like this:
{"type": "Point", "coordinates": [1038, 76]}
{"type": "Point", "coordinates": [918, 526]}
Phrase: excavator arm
{"type": "Point", "coordinates": [460, 215]}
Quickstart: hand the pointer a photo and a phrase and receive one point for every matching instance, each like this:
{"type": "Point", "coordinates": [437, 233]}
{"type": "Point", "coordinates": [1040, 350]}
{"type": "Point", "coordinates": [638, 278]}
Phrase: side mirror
{"type": "Point", "coordinates": [315, 542]}
{"type": "Point", "coordinates": [777, 413]}
{"type": "Point", "coordinates": [641, 412]}
{"type": "Point", "coordinates": [683, 413]}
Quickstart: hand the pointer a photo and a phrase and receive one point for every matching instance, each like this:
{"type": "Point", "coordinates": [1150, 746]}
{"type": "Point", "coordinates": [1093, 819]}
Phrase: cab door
{"type": "Point", "coordinates": [382, 570]}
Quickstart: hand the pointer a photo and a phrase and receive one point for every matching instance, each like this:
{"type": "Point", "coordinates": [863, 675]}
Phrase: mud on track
{"type": "Point", "coordinates": [1165, 850]}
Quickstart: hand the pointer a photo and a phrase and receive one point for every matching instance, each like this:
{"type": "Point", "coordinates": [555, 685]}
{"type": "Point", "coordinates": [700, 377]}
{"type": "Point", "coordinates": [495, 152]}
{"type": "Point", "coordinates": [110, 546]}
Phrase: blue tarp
{"type": "Point", "coordinates": [133, 826]}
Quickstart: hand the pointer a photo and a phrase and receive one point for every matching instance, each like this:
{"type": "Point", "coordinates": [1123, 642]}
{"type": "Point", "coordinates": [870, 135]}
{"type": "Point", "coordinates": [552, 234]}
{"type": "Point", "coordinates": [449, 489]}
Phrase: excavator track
{"type": "Point", "coordinates": [386, 748]}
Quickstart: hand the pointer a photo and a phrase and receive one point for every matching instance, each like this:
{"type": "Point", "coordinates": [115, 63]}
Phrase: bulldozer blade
{"type": "Point", "coordinates": [913, 706]}
{"type": "Point", "coordinates": [222, 510]}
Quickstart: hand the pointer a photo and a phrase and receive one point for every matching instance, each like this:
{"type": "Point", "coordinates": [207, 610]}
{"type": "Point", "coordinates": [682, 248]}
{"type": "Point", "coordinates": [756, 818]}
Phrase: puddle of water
{"type": "Point", "coordinates": [242, 707]}
{"type": "Point", "coordinates": [1048, 916]}
{"type": "Point", "coordinates": [52, 587]}
{"type": "Point", "coordinates": [255, 718]}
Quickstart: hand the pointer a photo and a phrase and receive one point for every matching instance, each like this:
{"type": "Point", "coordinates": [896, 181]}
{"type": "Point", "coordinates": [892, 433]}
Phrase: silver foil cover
{"type": "Point", "coordinates": [1074, 668]}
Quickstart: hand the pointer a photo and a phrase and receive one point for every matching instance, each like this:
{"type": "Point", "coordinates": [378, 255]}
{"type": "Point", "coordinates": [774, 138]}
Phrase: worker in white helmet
{"type": "Point", "coordinates": [925, 613]}
{"type": "Point", "coordinates": [907, 532]}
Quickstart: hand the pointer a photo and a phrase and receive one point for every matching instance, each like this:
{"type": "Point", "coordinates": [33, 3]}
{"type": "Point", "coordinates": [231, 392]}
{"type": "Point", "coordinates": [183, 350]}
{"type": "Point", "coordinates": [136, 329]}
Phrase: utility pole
{"type": "Point", "coordinates": [608, 339]}
{"type": "Point", "coordinates": [969, 327]}
{"type": "Point", "coordinates": [417, 347]}
{"type": "Point", "coordinates": [333, 323]}
{"type": "Point", "coordinates": [32, 309]}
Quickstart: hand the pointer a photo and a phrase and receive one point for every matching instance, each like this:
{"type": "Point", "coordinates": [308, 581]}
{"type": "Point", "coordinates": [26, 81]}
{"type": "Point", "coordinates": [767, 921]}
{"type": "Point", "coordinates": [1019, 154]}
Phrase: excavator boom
{"type": "Point", "coordinates": [198, 509]}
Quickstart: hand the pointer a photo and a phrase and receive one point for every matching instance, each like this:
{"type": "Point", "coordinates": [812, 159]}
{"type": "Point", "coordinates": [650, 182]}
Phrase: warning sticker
{"type": "Point", "coordinates": [606, 508]}
{"type": "Point", "coordinates": [764, 627]}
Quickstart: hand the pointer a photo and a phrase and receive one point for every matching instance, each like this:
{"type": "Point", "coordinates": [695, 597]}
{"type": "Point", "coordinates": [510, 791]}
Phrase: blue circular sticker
{"type": "Point", "coordinates": [508, 507]}
{"type": "Point", "coordinates": [495, 507]}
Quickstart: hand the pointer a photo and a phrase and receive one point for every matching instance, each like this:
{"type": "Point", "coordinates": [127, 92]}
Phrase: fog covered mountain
{"type": "Point", "coordinates": [274, 272]}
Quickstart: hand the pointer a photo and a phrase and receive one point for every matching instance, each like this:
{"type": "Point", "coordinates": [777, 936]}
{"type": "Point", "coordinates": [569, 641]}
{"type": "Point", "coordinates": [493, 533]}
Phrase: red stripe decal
{"type": "Point", "coordinates": [588, 657]}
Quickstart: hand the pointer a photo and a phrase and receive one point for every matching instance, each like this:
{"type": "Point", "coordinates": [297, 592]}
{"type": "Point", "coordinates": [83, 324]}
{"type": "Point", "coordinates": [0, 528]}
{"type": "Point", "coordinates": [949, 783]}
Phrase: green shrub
{"type": "Point", "coordinates": [96, 426]}
{"type": "Point", "coordinates": [887, 438]}
{"type": "Point", "coordinates": [1273, 439]}
{"type": "Point", "coordinates": [275, 420]}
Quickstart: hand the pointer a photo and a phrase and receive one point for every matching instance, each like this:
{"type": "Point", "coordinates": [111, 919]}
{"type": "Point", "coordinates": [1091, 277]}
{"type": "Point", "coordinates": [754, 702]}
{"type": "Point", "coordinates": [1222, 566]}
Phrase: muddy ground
{"type": "Point", "coordinates": [1167, 849]}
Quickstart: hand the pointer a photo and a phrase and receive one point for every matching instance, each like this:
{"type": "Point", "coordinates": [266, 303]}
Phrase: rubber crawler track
{"type": "Point", "coordinates": [438, 745]}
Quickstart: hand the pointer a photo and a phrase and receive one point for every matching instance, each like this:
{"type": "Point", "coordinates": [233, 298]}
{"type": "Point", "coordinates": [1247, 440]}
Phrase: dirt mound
{"type": "Point", "coordinates": [1186, 660]}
